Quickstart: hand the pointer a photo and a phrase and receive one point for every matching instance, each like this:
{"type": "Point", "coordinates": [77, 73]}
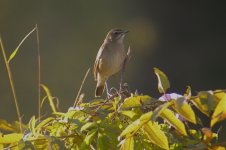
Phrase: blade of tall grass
{"type": "Point", "coordinates": [39, 72]}
{"type": "Point", "coordinates": [17, 48]}
{"type": "Point", "coordinates": [11, 83]}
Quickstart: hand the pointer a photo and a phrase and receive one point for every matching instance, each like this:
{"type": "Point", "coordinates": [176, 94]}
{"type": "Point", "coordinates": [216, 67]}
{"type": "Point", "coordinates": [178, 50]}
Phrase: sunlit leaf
{"type": "Point", "coordinates": [41, 143]}
{"type": "Point", "coordinates": [184, 109]}
{"type": "Point", "coordinates": [163, 82]}
{"type": "Point", "coordinates": [56, 144]}
{"type": "Point", "coordinates": [129, 113]}
{"type": "Point", "coordinates": [136, 125]}
{"type": "Point", "coordinates": [25, 145]}
{"type": "Point", "coordinates": [88, 125]}
{"type": "Point", "coordinates": [127, 143]}
{"type": "Point", "coordinates": [50, 98]}
{"type": "Point", "coordinates": [16, 50]}
{"type": "Point", "coordinates": [218, 148]}
{"type": "Point", "coordinates": [135, 101]}
{"type": "Point", "coordinates": [31, 125]}
{"type": "Point", "coordinates": [88, 139]}
{"type": "Point", "coordinates": [205, 102]}
{"type": "Point", "coordinates": [155, 135]}
{"type": "Point", "coordinates": [10, 138]}
{"type": "Point", "coordinates": [160, 109]}
{"type": "Point", "coordinates": [219, 94]}
{"type": "Point", "coordinates": [219, 112]}
{"type": "Point", "coordinates": [100, 142]}
{"type": "Point", "coordinates": [44, 122]}
{"type": "Point", "coordinates": [170, 117]}
{"type": "Point", "coordinates": [188, 92]}
{"type": "Point", "coordinates": [4, 125]}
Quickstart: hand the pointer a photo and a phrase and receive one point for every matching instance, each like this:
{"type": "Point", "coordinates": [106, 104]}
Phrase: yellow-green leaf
{"type": "Point", "coordinates": [100, 141]}
{"type": "Point", "coordinates": [170, 117]}
{"type": "Point", "coordinates": [129, 113]}
{"type": "Point", "coordinates": [10, 138]}
{"type": "Point", "coordinates": [188, 92]}
{"type": "Point", "coordinates": [135, 101]}
{"type": "Point", "coordinates": [128, 143]}
{"type": "Point", "coordinates": [184, 109]}
{"type": "Point", "coordinates": [220, 111]}
{"type": "Point", "coordinates": [16, 50]}
{"type": "Point", "coordinates": [163, 82]}
{"type": "Point", "coordinates": [31, 125]}
{"type": "Point", "coordinates": [155, 135]}
{"type": "Point", "coordinates": [137, 124]}
{"type": "Point", "coordinates": [50, 98]}
{"type": "Point", "coordinates": [205, 102]}
{"type": "Point", "coordinates": [88, 125]}
{"type": "Point", "coordinates": [4, 125]}
{"type": "Point", "coordinates": [44, 122]}
{"type": "Point", "coordinates": [88, 139]}
{"type": "Point", "coordinates": [160, 109]}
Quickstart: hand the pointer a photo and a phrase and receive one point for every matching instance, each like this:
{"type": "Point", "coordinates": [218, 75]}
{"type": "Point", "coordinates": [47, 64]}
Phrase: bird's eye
{"type": "Point", "coordinates": [116, 33]}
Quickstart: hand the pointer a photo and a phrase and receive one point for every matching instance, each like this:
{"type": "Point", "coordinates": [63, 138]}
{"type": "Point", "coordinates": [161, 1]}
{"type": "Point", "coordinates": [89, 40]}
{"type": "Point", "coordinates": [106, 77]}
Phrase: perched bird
{"type": "Point", "coordinates": [110, 59]}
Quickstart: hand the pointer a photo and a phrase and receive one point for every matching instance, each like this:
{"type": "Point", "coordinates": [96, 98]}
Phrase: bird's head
{"type": "Point", "coordinates": [116, 35]}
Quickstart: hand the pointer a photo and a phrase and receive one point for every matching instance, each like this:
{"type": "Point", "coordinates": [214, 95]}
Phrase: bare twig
{"type": "Point", "coordinates": [80, 89]}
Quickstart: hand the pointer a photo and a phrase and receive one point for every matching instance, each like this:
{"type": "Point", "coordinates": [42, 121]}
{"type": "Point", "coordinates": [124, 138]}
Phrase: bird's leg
{"type": "Point", "coordinates": [107, 89]}
{"type": "Point", "coordinates": [123, 68]}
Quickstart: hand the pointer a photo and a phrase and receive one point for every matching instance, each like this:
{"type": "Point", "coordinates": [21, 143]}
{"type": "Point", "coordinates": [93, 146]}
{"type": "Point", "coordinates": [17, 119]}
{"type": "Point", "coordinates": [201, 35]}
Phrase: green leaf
{"type": "Point", "coordinates": [44, 122]}
{"type": "Point", "coordinates": [56, 144]}
{"type": "Point", "coordinates": [160, 109]}
{"type": "Point", "coordinates": [220, 111]}
{"type": "Point", "coordinates": [25, 145]}
{"type": "Point", "coordinates": [135, 101]}
{"type": "Point", "coordinates": [100, 142]}
{"type": "Point", "coordinates": [88, 125]}
{"type": "Point", "coordinates": [129, 113]}
{"type": "Point", "coordinates": [188, 92]}
{"type": "Point", "coordinates": [31, 125]}
{"type": "Point", "coordinates": [4, 125]}
{"type": "Point", "coordinates": [16, 50]}
{"type": "Point", "coordinates": [136, 125]}
{"type": "Point", "coordinates": [127, 143]}
{"type": "Point", "coordinates": [205, 102]}
{"type": "Point", "coordinates": [184, 109]}
{"type": "Point", "coordinates": [10, 138]}
{"type": "Point", "coordinates": [163, 82]}
{"type": "Point", "coordinates": [170, 117]}
{"type": "Point", "coordinates": [155, 135]}
{"type": "Point", "coordinates": [41, 143]}
{"type": "Point", "coordinates": [50, 98]}
{"type": "Point", "coordinates": [88, 139]}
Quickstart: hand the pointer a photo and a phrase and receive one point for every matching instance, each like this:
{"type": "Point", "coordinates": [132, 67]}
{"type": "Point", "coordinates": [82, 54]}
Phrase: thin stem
{"type": "Point", "coordinates": [80, 89]}
{"type": "Point", "coordinates": [39, 73]}
{"type": "Point", "coordinates": [12, 84]}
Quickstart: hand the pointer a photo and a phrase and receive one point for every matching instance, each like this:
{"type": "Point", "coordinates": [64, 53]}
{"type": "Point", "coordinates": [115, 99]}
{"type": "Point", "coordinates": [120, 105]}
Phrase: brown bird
{"type": "Point", "coordinates": [110, 59]}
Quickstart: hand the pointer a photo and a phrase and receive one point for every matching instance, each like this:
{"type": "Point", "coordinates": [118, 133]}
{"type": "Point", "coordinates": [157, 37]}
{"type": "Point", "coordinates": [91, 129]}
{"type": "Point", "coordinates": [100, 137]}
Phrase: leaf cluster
{"type": "Point", "coordinates": [135, 122]}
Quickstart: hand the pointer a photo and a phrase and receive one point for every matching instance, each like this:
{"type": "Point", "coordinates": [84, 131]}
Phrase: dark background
{"type": "Point", "coordinates": [185, 39]}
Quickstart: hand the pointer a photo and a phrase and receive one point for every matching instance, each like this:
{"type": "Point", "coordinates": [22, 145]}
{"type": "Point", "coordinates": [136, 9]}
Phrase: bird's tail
{"type": "Point", "coordinates": [99, 90]}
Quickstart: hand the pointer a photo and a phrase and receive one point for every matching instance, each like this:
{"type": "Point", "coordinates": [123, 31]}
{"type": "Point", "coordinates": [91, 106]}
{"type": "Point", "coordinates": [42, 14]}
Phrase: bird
{"type": "Point", "coordinates": [110, 59]}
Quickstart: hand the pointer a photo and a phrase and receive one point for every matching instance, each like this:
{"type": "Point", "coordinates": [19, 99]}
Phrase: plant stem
{"type": "Point", "coordinates": [11, 83]}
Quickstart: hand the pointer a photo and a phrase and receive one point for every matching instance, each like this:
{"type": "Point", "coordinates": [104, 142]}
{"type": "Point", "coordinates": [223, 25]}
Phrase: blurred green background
{"type": "Point", "coordinates": [185, 39]}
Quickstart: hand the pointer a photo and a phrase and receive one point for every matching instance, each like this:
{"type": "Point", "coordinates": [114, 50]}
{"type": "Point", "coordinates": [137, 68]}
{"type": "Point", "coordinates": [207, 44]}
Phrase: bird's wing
{"type": "Point", "coordinates": [95, 68]}
{"type": "Point", "coordinates": [97, 62]}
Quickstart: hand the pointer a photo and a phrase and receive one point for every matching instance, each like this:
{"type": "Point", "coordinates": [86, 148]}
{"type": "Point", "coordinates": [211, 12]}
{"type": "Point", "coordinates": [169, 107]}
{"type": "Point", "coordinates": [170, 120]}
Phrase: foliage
{"type": "Point", "coordinates": [124, 121]}
{"type": "Point", "coordinates": [130, 123]}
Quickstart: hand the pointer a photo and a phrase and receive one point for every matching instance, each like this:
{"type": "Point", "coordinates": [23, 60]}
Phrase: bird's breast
{"type": "Point", "coordinates": [112, 60]}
